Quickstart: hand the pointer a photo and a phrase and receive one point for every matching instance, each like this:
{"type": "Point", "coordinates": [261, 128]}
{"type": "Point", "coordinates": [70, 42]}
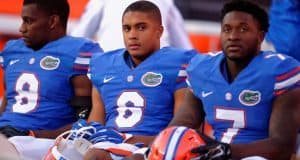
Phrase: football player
{"type": "Point", "coordinates": [137, 89]}
{"type": "Point", "coordinates": [102, 21]}
{"type": "Point", "coordinates": [45, 72]}
{"type": "Point", "coordinates": [250, 97]}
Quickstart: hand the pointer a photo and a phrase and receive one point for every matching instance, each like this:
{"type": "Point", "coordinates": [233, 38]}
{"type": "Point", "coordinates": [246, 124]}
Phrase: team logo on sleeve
{"type": "Point", "coordinates": [249, 98]}
{"type": "Point", "coordinates": [49, 63]}
{"type": "Point", "coordinates": [151, 79]}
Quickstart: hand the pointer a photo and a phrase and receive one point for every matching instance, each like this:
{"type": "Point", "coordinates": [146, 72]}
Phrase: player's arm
{"type": "Point", "coordinates": [98, 109]}
{"type": "Point", "coordinates": [3, 104]}
{"type": "Point", "coordinates": [179, 98]}
{"type": "Point", "coordinates": [4, 100]}
{"type": "Point", "coordinates": [283, 128]}
{"type": "Point", "coordinates": [82, 88]}
{"type": "Point", "coordinates": [81, 101]}
{"type": "Point", "coordinates": [52, 134]}
{"type": "Point", "coordinates": [190, 113]}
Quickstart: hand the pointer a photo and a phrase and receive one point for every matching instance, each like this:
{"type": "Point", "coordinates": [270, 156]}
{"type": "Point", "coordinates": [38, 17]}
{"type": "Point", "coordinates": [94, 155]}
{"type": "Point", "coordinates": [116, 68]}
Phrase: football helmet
{"type": "Point", "coordinates": [73, 144]}
{"type": "Point", "coordinates": [175, 143]}
{"type": "Point", "coordinates": [66, 148]}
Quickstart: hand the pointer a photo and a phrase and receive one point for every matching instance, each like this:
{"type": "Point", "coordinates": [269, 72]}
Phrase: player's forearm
{"type": "Point", "coordinates": [190, 114]}
{"type": "Point", "coordinates": [52, 134]}
{"type": "Point", "coordinates": [3, 105]}
{"type": "Point", "coordinates": [269, 149]}
{"type": "Point", "coordinates": [188, 118]}
{"type": "Point", "coordinates": [147, 140]}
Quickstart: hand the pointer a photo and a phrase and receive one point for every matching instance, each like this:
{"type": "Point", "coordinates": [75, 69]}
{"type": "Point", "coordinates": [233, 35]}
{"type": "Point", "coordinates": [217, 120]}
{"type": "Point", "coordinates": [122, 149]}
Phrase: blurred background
{"type": "Point", "coordinates": [201, 21]}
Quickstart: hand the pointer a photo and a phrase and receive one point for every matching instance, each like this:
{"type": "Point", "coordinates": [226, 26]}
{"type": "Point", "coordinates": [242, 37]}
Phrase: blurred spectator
{"type": "Point", "coordinates": [102, 21]}
{"type": "Point", "coordinates": [284, 27]}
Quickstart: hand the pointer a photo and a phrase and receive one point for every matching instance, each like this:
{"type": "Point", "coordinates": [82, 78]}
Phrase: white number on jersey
{"type": "Point", "coordinates": [236, 117]}
{"type": "Point", "coordinates": [130, 109]}
{"type": "Point", "coordinates": [27, 87]}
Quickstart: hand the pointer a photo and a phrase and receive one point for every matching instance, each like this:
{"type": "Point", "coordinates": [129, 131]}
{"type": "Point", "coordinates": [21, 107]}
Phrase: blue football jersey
{"type": "Point", "coordinates": [38, 83]}
{"type": "Point", "coordinates": [239, 112]}
{"type": "Point", "coordinates": [141, 100]}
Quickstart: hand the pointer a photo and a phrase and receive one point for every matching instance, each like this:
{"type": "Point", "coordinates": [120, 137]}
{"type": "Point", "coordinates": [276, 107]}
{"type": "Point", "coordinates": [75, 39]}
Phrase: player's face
{"type": "Point", "coordinates": [240, 36]}
{"type": "Point", "coordinates": [35, 26]}
{"type": "Point", "coordinates": [141, 33]}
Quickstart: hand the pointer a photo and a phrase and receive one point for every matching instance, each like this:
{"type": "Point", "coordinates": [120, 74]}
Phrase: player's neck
{"type": "Point", "coordinates": [129, 61]}
{"type": "Point", "coordinates": [57, 34]}
{"type": "Point", "coordinates": [50, 39]}
{"type": "Point", "coordinates": [134, 60]}
{"type": "Point", "coordinates": [234, 68]}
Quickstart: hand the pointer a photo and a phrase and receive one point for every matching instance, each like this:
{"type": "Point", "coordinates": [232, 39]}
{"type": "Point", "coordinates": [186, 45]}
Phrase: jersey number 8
{"type": "Point", "coordinates": [27, 86]}
{"type": "Point", "coordinates": [131, 105]}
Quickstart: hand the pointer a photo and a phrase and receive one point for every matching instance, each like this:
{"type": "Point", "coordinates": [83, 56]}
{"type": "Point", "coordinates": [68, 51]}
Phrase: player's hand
{"type": "Point", "coordinates": [95, 153]}
{"type": "Point", "coordinates": [76, 126]}
{"type": "Point", "coordinates": [82, 129]}
{"type": "Point", "coordinates": [109, 135]}
{"type": "Point", "coordinates": [213, 150]}
{"type": "Point", "coordinates": [79, 124]}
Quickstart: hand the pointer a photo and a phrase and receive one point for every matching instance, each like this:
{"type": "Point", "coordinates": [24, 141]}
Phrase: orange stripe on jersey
{"type": "Point", "coordinates": [288, 75]}
{"type": "Point", "coordinates": [184, 65]}
{"type": "Point", "coordinates": [85, 54]}
{"type": "Point", "coordinates": [181, 79]}
{"type": "Point", "coordinates": [81, 67]}
{"type": "Point", "coordinates": [277, 93]}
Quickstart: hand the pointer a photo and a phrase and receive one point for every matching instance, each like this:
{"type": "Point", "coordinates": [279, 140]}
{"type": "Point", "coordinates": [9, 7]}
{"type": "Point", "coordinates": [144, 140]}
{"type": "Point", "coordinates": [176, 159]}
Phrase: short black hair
{"type": "Point", "coordinates": [58, 7]}
{"type": "Point", "coordinates": [248, 7]}
{"type": "Point", "coordinates": [146, 7]}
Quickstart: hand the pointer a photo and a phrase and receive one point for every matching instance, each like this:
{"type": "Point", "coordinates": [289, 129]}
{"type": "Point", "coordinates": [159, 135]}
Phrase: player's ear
{"type": "Point", "coordinates": [160, 31]}
{"type": "Point", "coordinates": [53, 21]}
{"type": "Point", "coordinates": [261, 36]}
